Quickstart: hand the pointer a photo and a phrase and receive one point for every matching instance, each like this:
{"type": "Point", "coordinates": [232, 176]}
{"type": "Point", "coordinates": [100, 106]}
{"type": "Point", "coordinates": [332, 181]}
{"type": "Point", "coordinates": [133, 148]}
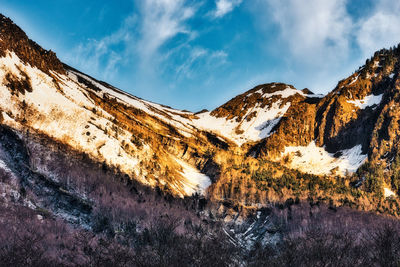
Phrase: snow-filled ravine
{"type": "Point", "coordinates": [316, 160]}
{"type": "Point", "coordinates": [368, 101]}
{"type": "Point", "coordinates": [193, 180]}
{"type": "Point", "coordinates": [3, 165]}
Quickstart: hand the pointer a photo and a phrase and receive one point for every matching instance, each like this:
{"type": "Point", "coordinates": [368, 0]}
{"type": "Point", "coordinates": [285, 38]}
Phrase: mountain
{"type": "Point", "coordinates": [252, 116]}
{"type": "Point", "coordinates": [351, 123]}
{"type": "Point", "coordinates": [80, 154]}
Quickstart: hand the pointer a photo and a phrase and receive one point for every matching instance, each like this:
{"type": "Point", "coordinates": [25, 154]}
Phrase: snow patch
{"type": "Point", "coordinates": [257, 128]}
{"type": "Point", "coordinates": [176, 118]}
{"type": "Point", "coordinates": [316, 160]}
{"type": "Point", "coordinates": [194, 181]}
{"type": "Point", "coordinates": [388, 193]}
{"type": "Point", "coordinates": [284, 93]}
{"type": "Point", "coordinates": [377, 64]}
{"type": "Point", "coordinates": [354, 79]}
{"type": "Point", "coordinates": [4, 166]}
{"type": "Point", "coordinates": [367, 101]}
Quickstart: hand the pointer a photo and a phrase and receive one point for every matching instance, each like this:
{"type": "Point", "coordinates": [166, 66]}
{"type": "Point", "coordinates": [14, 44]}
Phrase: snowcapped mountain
{"type": "Point", "coordinates": [253, 115]}
{"type": "Point", "coordinates": [107, 176]}
{"type": "Point", "coordinates": [184, 152]}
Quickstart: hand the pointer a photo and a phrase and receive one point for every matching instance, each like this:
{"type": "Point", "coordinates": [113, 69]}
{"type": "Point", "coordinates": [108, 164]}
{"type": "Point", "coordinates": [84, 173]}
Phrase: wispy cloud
{"type": "Point", "coordinates": [199, 57]}
{"type": "Point", "coordinates": [141, 36]}
{"type": "Point", "coordinates": [223, 7]}
{"type": "Point", "coordinates": [161, 21]}
{"type": "Point", "coordinates": [156, 46]}
{"type": "Point", "coordinates": [381, 29]}
{"type": "Point", "coordinates": [99, 56]}
{"type": "Point", "coordinates": [311, 37]}
{"type": "Point", "coordinates": [323, 32]}
{"type": "Point", "coordinates": [195, 55]}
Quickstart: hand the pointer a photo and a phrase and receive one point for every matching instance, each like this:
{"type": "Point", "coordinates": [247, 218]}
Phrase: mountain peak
{"type": "Point", "coordinates": [255, 114]}
{"type": "Point", "coordinates": [263, 96]}
{"type": "Point", "coordinates": [377, 76]}
{"type": "Point", "coordinates": [280, 90]}
{"type": "Point", "coordinates": [307, 91]}
{"type": "Point", "coordinates": [270, 88]}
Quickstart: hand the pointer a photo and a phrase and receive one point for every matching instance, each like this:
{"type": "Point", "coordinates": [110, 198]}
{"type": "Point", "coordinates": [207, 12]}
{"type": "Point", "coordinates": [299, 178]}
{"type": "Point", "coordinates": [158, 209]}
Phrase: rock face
{"type": "Point", "coordinates": [363, 109]}
{"type": "Point", "coordinates": [12, 38]}
{"type": "Point", "coordinates": [349, 114]}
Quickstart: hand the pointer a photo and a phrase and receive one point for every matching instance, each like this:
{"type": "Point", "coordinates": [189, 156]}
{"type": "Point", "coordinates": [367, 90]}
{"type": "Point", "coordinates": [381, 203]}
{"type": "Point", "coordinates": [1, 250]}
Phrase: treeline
{"type": "Point", "coordinates": [264, 182]}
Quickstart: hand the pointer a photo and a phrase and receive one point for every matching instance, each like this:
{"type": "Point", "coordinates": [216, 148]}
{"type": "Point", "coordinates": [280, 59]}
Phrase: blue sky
{"type": "Point", "coordinates": [198, 54]}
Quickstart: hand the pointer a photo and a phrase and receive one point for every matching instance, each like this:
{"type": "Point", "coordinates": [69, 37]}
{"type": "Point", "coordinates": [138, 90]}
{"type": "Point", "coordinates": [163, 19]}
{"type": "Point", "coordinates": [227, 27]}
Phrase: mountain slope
{"type": "Point", "coordinates": [93, 176]}
{"type": "Point", "coordinates": [108, 124]}
{"type": "Point", "coordinates": [272, 125]}
{"type": "Point", "coordinates": [345, 127]}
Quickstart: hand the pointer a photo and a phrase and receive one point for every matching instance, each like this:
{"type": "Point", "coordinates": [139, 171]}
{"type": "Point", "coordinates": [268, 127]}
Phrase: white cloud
{"type": "Point", "coordinates": [312, 38]}
{"type": "Point", "coordinates": [320, 32]}
{"type": "Point", "coordinates": [223, 7]}
{"type": "Point", "coordinates": [314, 30]}
{"type": "Point", "coordinates": [161, 21]}
{"type": "Point", "coordinates": [141, 35]}
{"type": "Point", "coordinates": [381, 29]}
{"type": "Point", "coordinates": [220, 56]}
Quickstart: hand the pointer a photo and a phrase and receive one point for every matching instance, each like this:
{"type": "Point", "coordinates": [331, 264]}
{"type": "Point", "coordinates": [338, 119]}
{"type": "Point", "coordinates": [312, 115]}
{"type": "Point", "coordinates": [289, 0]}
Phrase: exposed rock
{"type": "Point", "coordinates": [12, 38]}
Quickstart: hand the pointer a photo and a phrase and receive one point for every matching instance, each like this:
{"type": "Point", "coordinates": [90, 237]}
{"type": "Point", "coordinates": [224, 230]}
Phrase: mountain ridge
{"type": "Point", "coordinates": [185, 152]}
